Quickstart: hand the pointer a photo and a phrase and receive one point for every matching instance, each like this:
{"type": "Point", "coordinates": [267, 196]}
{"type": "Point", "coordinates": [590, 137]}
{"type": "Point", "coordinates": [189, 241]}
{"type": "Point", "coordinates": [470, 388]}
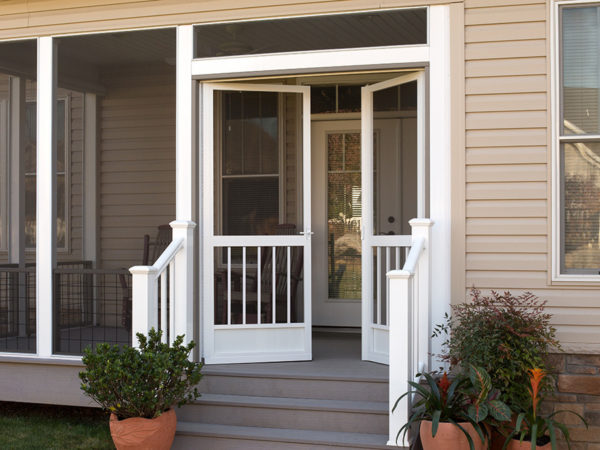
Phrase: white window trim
{"type": "Point", "coordinates": [555, 133]}
{"type": "Point", "coordinates": [4, 188]}
{"type": "Point", "coordinates": [67, 247]}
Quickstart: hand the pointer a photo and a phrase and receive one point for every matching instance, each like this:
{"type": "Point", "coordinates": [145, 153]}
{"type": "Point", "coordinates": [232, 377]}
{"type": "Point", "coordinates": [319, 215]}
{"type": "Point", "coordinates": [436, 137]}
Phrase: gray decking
{"type": "Point", "coordinates": [334, 355]}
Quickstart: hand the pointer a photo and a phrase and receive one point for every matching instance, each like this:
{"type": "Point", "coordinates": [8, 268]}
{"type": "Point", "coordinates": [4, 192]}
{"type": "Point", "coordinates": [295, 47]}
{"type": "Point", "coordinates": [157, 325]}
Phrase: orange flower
{"type": "Point", "coordinates": [536, 376]}
{"type": "Point", "coordinates": [444, 385]}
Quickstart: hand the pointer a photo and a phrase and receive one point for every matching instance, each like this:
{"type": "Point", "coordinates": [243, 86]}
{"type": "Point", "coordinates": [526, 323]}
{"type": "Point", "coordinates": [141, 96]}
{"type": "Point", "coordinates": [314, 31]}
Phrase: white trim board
{"type": "Point", "coordinates": [555, 198]}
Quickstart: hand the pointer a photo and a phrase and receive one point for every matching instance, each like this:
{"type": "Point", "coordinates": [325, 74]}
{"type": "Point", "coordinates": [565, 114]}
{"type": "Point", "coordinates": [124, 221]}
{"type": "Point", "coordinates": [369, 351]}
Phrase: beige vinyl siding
{"type": "Point", "coordinates": [507, 155]}
{"type": "Point", "coordinates": [136, 160]}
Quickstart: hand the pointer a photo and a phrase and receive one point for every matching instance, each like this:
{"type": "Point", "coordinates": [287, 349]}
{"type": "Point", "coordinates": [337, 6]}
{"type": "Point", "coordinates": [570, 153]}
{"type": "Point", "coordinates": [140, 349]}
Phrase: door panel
{"type": "Point", "coordinates": [256, 214]}
{"type": "Point", "coordinates": [392, 193]}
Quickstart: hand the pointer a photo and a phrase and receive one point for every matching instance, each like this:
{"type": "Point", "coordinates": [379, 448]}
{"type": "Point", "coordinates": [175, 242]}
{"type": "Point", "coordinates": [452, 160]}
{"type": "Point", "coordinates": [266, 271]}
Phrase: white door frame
{"type": "Point", "coordinates": [375, 334]}
{"type": "Point", "coordinates": [436, 56]}
{"type": "Point", "coordinates": [253, 342]}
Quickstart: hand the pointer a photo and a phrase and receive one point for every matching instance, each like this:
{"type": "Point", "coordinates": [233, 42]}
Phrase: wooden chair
{"type": "Point", "coordinates": [151, 252]}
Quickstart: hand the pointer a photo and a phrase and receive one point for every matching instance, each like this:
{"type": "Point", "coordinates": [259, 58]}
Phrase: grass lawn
{"type": "Point", "coordinates": [31, 426]}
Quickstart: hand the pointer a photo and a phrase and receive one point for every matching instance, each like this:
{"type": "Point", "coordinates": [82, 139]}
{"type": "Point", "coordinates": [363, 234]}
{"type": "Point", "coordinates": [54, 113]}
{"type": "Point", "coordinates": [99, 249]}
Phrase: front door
{"type": "Point", "coordinates": [256, 222]}
{"type": "Point", "coordinates": [337, 210]}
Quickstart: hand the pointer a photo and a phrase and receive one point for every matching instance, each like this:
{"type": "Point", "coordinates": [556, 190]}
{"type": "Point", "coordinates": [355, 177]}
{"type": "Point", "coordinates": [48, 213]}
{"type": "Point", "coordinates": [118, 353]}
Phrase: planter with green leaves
{"type": "Point", "coordinates": [505, 335]}
{"type": "Point", "coordinates": [140, 387]}
{"type": "Point", "coordinates": [532, 430]}
{"type": "Point", "coordinates": [453, 415]}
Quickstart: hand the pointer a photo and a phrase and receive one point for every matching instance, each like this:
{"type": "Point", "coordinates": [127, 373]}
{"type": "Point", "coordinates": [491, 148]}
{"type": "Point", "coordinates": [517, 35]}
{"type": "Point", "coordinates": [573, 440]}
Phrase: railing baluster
{"type": "Point", "coordinates": [244, 285]}
{"type": "Point", "coordinates": [378, 286]}
{"type": "Point", "coordinates": [258, 285]}
{"type": "Point", "coordinates": [163, 306]}
{"type": "Point", "coordinates": [273, 285]}
{"type": "Point", "coordinates": [228, 285]}
{"type": "Point", "coordinates": [397, 258]}
{"type": "Point", "coordinates": [289, 283]}
{"type": "Point", "coordinates": [171, 302]}
{"type": "Point", "coordinates": [387, 284]}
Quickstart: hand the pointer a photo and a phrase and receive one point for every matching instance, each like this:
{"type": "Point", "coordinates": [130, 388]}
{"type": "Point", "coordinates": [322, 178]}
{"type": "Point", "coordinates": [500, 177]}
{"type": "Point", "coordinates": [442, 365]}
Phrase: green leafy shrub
{"type": "Point", "coordinates": [505, 335]}
{"type": "Point", "coordinates": [142, 382]}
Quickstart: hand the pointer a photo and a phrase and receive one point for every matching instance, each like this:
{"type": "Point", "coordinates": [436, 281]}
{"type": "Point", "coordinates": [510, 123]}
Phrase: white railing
{"type": "Point", "coordinates": [409, 324]}
{"type": "Point", "coordinates": [257, 284]}
{"type": "Point", "coordinates": [161, 293]}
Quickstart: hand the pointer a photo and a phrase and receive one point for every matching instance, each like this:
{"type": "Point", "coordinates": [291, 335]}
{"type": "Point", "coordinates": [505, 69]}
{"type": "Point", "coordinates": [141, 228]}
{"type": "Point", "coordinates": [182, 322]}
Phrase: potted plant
{"type": "Point", "coordinates": [533, 431]}
{"type": "Point", "coordinates": [140, 387]}
{"type": "Point", "coordinates": [503, 334]}
{"type": "Point", "coordinates": [452, 414]}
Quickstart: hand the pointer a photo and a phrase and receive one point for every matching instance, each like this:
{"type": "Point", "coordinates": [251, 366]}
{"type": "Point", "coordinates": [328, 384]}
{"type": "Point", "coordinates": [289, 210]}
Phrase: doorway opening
{"type": "Point", "coordinates": [308, 214]}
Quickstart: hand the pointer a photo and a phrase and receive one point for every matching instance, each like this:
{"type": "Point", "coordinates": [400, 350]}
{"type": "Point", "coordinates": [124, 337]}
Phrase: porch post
{"type": "Point", "coordinates": [184, 273]}
{"type": "Point", "coordinates": [440, 184]}
{"type": "Point", "coordinates": [16, 241]}
{"type": "Point", "coordinates": [422, 307]}
{"type": "Point", "coordinates": [401, 291]}
{"type": "Point", "coordinates": [46, 193]}
{"type": "Point", "coordinates": [183, 227]}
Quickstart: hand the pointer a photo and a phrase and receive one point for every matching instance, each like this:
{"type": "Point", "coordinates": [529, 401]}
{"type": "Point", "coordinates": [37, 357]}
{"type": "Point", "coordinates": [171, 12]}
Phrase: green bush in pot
{"type": "Point", "coordinates": [140, 387]}
{"type": "Point", "coordinates": [142, 382]}
{"type": "Point", "coordinates": [505, 335]}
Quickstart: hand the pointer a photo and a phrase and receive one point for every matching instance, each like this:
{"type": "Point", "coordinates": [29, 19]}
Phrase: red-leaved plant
{"type": "Point", "coordinates": [504, 334]}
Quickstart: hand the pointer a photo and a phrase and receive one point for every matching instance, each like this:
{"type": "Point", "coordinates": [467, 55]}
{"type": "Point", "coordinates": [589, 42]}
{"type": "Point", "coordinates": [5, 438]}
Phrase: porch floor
{"type": "Point", "coordinates": [334, 355]}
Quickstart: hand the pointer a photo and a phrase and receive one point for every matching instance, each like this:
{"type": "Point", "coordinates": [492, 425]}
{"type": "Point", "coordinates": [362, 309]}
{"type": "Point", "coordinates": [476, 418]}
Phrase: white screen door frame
{"type": "Point", "coordinates": [253, 342]}
{"type": "Point", "coordinates": [387, 248]}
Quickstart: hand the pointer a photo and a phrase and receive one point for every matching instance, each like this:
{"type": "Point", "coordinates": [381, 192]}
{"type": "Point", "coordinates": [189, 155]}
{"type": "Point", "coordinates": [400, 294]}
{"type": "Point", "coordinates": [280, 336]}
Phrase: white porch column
{"type": "Point", "coordinates": [183, 227]}
{"type": "Point", "coordinates": [16, 241]}
{"type": "Point", "coordinates": [144, 301]}
{"type": "Point", "coordinates": [422, 307]}
{"type": "Point", "coordinates": [184, 136]}
{"type": "Point", "coordinates": [440, 163]}
{"type": "Point", "coordinates": [46, 192]}
{"type": "Point", "coordinates": [401, 291]}
{"type": "Point", "coordinates": [184, 279]}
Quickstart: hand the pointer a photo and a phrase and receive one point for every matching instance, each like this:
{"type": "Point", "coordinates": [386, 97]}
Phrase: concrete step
{"type": "Point", "coordinates": [284, 412]}
{"type": "Point", "coordinates": [342, 387]}
{"type": "Point", "coordinates": [192, 435]}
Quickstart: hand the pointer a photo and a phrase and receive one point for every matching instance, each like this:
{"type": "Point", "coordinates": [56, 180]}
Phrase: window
{"type": "Point", "coordinates": [3, 174]}
{"type": "Point", "coordinates": [61, 174]}
{"type": "Point", "coordinates": [578, 140]}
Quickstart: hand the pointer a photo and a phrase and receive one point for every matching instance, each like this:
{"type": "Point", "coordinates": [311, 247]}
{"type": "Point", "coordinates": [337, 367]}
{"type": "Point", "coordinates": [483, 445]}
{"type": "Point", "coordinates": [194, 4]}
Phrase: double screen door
{"type": "Point", "coordinates": [257, 229]}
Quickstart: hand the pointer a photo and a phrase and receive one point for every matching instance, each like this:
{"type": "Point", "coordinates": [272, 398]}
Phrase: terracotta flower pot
{"type": "Point", "coordinates": [136, 432]}
{"type": "Point", "coordinates": [516, 444]}
{"type": "Point", "coordinates": [449, 437]}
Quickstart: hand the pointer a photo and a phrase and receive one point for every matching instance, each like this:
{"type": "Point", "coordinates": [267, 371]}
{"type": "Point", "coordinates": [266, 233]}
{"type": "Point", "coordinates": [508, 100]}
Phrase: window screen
{"type": "Point", "coordinates": [579, 145]}
{"type": "Point", "coordinates": [369, 29]}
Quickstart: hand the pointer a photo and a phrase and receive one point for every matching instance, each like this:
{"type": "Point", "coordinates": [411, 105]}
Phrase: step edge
{"type": "Point", "coordinates": [215, 373]}
{"type": "Point", "coordinates": [308, 404]}
{"type": "Point", "coordinates": [317, 437]}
